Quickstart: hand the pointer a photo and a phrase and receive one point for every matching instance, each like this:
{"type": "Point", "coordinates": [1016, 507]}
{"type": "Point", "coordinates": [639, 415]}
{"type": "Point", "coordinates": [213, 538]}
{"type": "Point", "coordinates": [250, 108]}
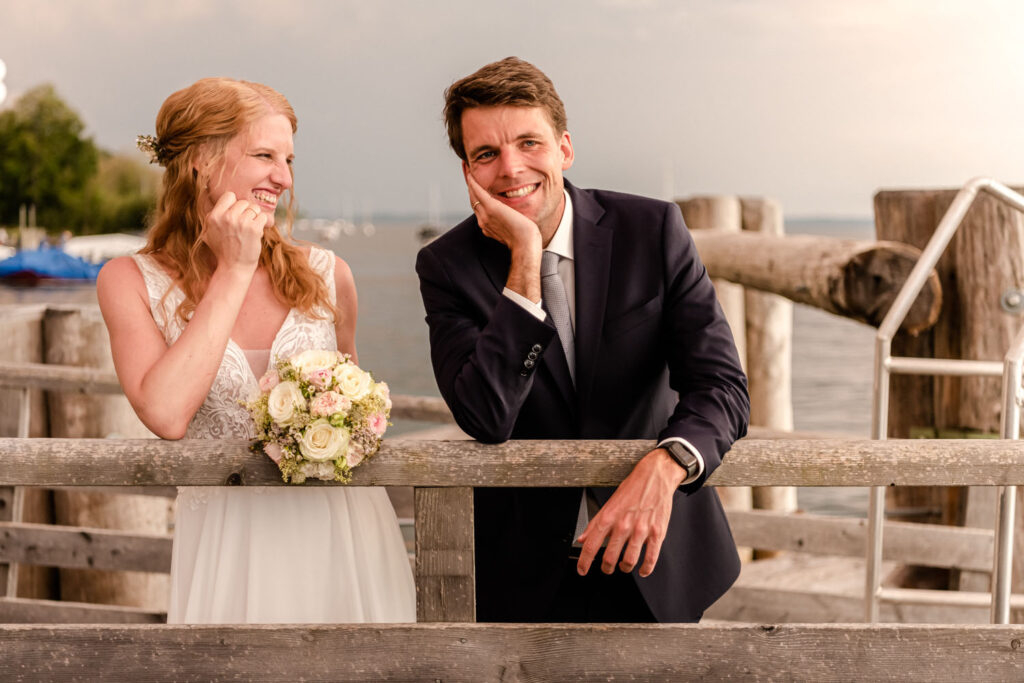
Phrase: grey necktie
{"type": "Point", "coordinates": [553, 290]}
{"type": "Point", "coordinates": [555, 301]}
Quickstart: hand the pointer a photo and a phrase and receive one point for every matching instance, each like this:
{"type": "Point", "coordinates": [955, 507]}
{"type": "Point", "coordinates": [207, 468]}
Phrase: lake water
{"type": "Point", "coordinates": [832, 356]}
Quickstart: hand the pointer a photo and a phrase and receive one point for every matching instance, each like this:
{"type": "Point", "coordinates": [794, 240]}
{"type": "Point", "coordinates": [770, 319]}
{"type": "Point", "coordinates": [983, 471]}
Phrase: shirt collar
{"type": "Point", "coordinates": [561, 241]}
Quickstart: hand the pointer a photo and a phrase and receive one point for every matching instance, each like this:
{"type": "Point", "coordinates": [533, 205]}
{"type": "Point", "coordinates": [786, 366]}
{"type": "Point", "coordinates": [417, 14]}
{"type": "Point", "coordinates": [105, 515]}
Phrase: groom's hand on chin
{"type": "Point", "coordinates": [516, 231]}
{"type": "Point", "coordinates": [635, 516]}
{"type": "Point", "coordinates": [500, 221]}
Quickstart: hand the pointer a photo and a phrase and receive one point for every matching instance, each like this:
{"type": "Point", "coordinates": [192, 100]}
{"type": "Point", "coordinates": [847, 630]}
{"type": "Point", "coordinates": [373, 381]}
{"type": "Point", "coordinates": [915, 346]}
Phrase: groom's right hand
{"type": "Point", "coordinates": [517, 232]}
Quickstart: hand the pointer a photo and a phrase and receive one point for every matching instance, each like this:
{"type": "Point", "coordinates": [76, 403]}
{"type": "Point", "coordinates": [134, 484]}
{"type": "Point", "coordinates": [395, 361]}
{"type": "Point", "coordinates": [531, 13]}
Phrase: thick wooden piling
{"type": "Point", "coordinates": [980, 270]}
{"type": "Point", "coordinates": [724, 213]}
{"type": "Point", "coordinates": [76, 336]}
{"type": "Point", "coordinates": [21, 341]}
{"type": "Point", "coordinates": [769, 327]}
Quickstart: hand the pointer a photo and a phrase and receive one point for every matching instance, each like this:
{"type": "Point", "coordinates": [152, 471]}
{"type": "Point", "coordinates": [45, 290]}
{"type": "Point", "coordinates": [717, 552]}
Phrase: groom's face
{"type": "Point", "coordinates": [515, 154]}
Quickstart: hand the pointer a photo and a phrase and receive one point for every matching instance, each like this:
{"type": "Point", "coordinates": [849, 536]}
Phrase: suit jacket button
{"type": "Point", "coordinates": [537, 348]}
{"type": "Point", "coordinates": [524, 373]}
{"type": "Point", "coordinates": [532, 355]}
{"type": "Point", "coordinates": [527, 363]}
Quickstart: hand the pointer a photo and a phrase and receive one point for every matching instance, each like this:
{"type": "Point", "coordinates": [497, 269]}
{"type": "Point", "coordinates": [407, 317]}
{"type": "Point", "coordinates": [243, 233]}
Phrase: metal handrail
{"type": "Point", "coordinates": [886, 365]}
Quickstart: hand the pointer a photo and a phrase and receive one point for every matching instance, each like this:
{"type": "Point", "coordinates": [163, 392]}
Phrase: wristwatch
{"type": "Point", "coordinates": [682, 455]}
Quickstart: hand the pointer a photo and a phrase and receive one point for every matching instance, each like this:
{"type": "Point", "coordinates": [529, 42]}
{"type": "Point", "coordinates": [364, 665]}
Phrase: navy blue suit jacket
{"type": "Point", "coordinates": [654, 358]}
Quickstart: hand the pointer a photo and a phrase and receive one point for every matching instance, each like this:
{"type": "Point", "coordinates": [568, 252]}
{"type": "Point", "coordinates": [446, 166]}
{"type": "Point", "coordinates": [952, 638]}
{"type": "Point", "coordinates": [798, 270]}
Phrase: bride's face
{"type": "Point", "coordinates": [256, 165]}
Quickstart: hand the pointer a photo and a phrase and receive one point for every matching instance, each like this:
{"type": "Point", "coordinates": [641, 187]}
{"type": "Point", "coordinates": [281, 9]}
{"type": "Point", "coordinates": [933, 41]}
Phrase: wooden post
{"type": "Point", "coordinates": [77, 336]}
{"type": "Point", "coordinates": [984, 260]}
{"type": "Point", "coordinates": [21, 342]}
{"type": "Point", "coordinates": [769, 323]}
{"type": "Point", "coordinates": [445, 570]}
{"type": "Point", "coordinates": [723, 213]}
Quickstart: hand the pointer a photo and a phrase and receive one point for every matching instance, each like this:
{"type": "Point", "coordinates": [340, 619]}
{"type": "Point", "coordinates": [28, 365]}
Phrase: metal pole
{"type": "Point", "coordinates": [876, 504]}
{"type": "Point", "coordinates": [1002, 562]}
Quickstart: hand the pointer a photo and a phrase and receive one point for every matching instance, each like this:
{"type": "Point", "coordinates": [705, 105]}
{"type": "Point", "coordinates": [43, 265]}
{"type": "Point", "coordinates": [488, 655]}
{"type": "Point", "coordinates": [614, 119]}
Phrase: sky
{"type": "Point", "coordinates": [815, 103]}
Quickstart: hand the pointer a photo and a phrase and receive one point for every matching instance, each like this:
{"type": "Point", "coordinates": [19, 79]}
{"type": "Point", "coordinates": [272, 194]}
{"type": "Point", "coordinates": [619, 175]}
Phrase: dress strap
{"type": "Point", "coordinates": [164, 295]}
{"type": "Point", "coordinates": [322, 262]}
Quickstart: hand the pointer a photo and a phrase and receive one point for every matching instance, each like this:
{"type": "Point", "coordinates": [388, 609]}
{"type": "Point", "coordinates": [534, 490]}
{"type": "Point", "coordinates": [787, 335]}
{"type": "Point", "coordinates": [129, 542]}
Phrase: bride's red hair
{"type": "Point", "coordinates": [204, 117]}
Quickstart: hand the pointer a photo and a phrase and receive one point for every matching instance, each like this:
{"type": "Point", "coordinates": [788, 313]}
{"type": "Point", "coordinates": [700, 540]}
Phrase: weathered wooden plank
{"type": "Point", "coordinates": [425, 408]}
{"type": "Point", "coordinates": [513, 652]}
{"type": "Point", "coordinates": [445, 574]}
{"type": "Point", "coordinates": [63, 378]}
{"type": "Point", "coordinates": [86, 380]}
{"type": "Point", "coordinates": [758, 603]}
{"type": "Point", "coordinates": [26, 611]}
{"type": "Point", "coordinates": [775, 462]}
{"type": "Point", "coordinates": [158, 491]}
{"type": "Point", "coordinates": [923, 544]}
{"type": "Point", "coordinates": [63, 546]}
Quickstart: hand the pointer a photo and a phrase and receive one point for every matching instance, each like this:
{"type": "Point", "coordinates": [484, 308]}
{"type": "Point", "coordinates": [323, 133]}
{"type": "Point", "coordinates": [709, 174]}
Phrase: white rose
{"type": "Point", "coordinates": [352, 381]}
{"type": "Point", "coordinates": [314, 359]}
{"type": "Point", "coordinates": [384, 392]}
{"type": "Point", "coordinates": [322, 442]}
{"type": "Point", "coordinates": [284, 402]}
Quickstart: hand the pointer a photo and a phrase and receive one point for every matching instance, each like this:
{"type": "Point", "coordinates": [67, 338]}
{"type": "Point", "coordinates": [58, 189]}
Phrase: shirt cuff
{"type": "Point", "coordinates": [535, 309]}
{"type": "Point", "coordinates": [690, 447]}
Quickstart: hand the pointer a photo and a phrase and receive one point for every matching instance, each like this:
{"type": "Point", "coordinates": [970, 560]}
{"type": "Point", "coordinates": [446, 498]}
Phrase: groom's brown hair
{"type": "Point", "coordinates": [511, 81]}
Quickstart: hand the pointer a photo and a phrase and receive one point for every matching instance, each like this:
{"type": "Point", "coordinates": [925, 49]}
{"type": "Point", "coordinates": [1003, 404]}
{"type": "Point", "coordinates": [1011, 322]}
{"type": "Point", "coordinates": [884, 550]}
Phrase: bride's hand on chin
{"type": "Point", "coordinates": [234, 232]}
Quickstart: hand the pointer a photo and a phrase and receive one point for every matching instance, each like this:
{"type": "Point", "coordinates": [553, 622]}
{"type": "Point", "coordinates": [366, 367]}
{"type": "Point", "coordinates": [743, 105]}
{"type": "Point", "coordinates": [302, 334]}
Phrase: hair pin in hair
{"type": "Point", "coordinates": [150, 145]}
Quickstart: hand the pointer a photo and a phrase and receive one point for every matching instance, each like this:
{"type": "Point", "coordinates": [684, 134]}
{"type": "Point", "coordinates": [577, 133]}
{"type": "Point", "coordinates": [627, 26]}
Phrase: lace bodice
{"type": "Point", "coordinates": [222, 415]}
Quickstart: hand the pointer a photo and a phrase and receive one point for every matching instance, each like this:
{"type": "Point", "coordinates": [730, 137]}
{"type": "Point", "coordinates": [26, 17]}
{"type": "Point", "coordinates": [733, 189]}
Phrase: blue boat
{"type": "Point", "coordinates": [46, 263]}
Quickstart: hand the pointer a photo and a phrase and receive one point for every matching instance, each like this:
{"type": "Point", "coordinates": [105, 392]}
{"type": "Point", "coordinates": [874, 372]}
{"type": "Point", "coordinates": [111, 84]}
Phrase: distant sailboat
{"type": "Point", "coordinates": [433, 227]}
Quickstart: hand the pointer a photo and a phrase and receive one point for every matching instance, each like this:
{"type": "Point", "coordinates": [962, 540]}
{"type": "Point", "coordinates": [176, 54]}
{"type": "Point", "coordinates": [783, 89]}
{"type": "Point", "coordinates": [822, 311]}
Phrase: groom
{"type": "Point", "coordinates": [562, 313]}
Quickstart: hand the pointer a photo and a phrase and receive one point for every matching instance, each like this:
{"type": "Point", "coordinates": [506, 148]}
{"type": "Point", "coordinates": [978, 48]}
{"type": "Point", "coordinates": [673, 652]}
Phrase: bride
{"type": "Point", "coordinates": [195, 319]}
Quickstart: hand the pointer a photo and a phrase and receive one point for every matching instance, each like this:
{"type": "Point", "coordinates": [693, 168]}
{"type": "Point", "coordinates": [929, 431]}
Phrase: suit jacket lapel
{"type": "Point", "coordinates": [495, 258]}
{"type": "Point", "coordinates": [592, 247]}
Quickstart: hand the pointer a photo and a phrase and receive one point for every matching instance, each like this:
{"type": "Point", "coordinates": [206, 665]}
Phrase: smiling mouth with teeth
{"type": "Point", "coordinates": [520, 192]}
{"type": "Point", "coordinates": [265, 198]}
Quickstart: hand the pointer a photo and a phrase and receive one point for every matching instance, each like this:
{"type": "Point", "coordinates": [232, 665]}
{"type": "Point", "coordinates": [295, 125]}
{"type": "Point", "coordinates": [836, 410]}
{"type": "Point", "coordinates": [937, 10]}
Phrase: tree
{"type": "Point", "coordinates": [120, 196]}
{"type": "Point", "coordinates": [44, 159]}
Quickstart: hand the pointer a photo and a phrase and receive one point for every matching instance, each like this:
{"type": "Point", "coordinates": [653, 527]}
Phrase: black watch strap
{"type": "Point", "coordinates": [682, 455]}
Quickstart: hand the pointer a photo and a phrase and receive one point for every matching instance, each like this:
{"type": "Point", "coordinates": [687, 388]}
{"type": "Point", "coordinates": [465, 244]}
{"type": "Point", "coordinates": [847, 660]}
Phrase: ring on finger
{"type": "Point", "coordinates": [476, 204]}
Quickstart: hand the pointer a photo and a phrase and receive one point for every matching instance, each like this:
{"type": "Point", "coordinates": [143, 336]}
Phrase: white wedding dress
{"type": "Point", "coordinates": [277, 554]}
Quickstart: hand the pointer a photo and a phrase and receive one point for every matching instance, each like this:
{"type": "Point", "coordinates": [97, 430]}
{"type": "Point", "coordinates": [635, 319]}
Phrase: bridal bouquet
{"type": "Point", "coordinates": [318, 415]}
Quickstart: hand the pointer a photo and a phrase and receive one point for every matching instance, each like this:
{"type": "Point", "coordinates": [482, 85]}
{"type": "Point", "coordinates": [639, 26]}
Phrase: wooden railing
{"type": "Point", "coordinates": [66, 378]}
{"type": "Point", "coordinates": [441, 473]}
{"type": "Point", "coordinates": [81, 548]}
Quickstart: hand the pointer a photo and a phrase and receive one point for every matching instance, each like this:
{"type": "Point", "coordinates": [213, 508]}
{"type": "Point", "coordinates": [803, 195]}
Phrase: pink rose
{"type": "Point", "coordinates": [321, 378]}
{"type": "Point", "coordinates": [329, 403]}
{"type": "Point", "coordinates": [269, 380]}
{"type": "Point", "coordinates": [273, 451]}
{"type": "Point", "coordinates": [378, 423]}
